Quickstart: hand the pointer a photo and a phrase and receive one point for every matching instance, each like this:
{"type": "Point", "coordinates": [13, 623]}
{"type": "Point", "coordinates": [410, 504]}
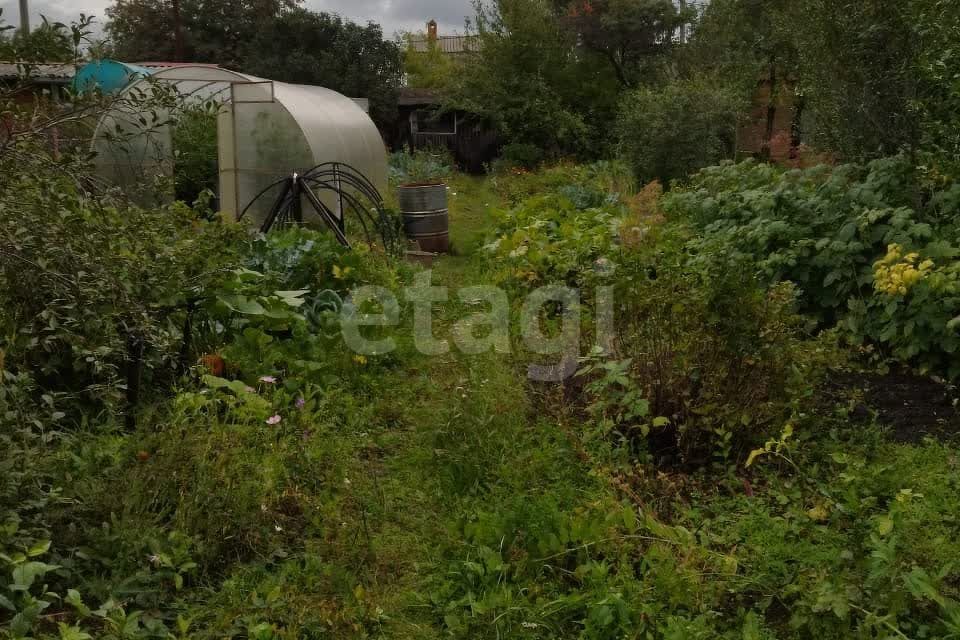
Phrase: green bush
{"type": "Point", "coordinates": [549, 239]}
{"type": "Point", "coordinates": [86, 278]}
{"type": "Point", "coordinates": [707, 358]}
{"type": "Point", "coordinates": [826, 229]}
{"type": "Point", "coordinates": [195, 152]}
{"type": "Point", "coordinates": [667, 133]}
{"type": "Point", "coordinates": [518, 156]}
{"type": "Point", "coordinates": [421, 166]}
{"type": "Point", "coordinates": [706, 361]}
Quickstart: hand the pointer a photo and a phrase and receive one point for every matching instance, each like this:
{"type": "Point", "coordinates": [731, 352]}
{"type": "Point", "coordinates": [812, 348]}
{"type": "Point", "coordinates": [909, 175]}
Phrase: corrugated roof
{"type": "Point", "coordinates": [38, 72]}
{"type": "Point", "coordinates": [448, 44]}
{"type": "Point", "coordinates": [410, 96]}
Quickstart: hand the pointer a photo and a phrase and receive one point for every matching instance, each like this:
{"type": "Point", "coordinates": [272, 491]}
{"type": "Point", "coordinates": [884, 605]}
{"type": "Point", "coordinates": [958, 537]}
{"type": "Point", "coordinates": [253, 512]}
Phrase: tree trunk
{"type": "Point", "coordinates": [771, 113]}
{"type": "Point", "coordinates": [796, 127]}
{"type": "Point", "coordinates": [177, 33]}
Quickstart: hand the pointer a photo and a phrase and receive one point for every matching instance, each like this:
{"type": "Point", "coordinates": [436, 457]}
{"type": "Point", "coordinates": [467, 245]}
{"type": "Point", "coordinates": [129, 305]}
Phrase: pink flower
{"type": "Point", "coordinates": [301, 403]}
{"type": "Point", "coordinates": [272, 420]}
{"type": "Point", "coordinates": [268, 379]}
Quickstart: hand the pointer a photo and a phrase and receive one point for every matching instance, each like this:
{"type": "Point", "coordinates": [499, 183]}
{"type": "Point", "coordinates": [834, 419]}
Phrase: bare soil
{"type": "Point", "coordinates": [913, 407]}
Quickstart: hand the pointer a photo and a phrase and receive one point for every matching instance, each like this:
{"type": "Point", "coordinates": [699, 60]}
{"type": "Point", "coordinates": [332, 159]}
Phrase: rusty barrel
{"type": "Point", "coordinates": [425, 215]}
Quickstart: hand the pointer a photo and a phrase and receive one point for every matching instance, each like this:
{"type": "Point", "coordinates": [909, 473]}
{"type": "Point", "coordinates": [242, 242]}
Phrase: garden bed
{"type": "Point", "coordinates": [913, 407]}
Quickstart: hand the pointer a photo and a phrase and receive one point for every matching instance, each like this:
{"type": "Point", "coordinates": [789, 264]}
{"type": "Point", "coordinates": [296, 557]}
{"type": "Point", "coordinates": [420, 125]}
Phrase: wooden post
{"type": "Point", "coordinates": [24, 17]}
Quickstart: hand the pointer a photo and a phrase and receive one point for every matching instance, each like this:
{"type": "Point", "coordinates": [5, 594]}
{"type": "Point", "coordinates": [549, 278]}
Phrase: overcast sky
{"type": "Point", "coordinates": [393, 15]}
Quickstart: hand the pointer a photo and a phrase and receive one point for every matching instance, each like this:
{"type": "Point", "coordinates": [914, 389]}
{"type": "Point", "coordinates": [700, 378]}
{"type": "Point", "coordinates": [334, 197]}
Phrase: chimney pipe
{"type": "Point", "coordinates": [24, 17]}
{"type": "Point", "coordinates": [431, 30]}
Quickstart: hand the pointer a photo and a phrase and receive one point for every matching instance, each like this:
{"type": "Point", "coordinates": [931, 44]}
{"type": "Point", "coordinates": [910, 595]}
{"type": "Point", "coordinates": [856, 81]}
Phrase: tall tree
{"type": "Point", "coordinates": [527, 77]}
{"type": "Point", "coordinates": [743, 43]}
{"type": "Point", "coordinates": [429, 68]}
{"type": "Point", "coordinates": [320, 48]}
{"type": "Point", "coordinates": [634, 36]}
{"type": "Point", "coordinates": [861, 62]}
{"type": "Point", "coordinates": [211, 31]}
{"type": "Point", "coordinates": [275, 39]}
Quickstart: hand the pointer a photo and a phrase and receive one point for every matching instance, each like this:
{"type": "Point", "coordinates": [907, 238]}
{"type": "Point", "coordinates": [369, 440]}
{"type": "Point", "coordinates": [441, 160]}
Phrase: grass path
{"type": "Point", "coordinates": [458, 440]}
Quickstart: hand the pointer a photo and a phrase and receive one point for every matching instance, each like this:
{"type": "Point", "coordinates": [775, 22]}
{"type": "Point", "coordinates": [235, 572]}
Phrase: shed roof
{"type": "Point", "coordinates": [45, 72]}
{"type": "Point", "coordinates": [412, 97]}
{"type": "Point", "coordinates": [447, 44]}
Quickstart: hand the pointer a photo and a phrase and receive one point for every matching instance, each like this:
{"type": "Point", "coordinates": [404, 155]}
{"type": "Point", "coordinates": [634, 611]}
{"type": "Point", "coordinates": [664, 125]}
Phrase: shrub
{"type": "Point", "coordinates": [556, 237]}
{"type": "Point", "coordinates": [195, 152]}
{"type": "Point", "coordinates": [832, 231]}
{"type": "Point", "coordinates": [89, 281]}
{"type": "Point", "coordinates": [705, 362]}
{"type": "Point", "coordinates": [645, 213]}
{"type": "Point", "coordinates": [518, 156]}
{"type": "Point", "coordinates": [423, 165]}
{"type": "Point", "coordinates": [915, 308]}
{"type": "Point", "coordinates": [667, 133]}
{"type": "Point", "coordinates": [706, 357]}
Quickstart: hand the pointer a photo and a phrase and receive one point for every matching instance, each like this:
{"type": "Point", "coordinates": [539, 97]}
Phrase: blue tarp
{"type": "Point", "coordinates": [109, 76]}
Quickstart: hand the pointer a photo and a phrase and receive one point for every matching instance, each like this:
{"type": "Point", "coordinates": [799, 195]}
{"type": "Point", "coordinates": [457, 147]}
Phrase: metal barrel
{"type": "Point", "coordinates": [425, 216]}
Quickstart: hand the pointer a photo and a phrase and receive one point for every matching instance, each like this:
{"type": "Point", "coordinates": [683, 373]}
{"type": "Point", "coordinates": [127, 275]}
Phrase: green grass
{"type": "Point", "coordinates": [394, 481]}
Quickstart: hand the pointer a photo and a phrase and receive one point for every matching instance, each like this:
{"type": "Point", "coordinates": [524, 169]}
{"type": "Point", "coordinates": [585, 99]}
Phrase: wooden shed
{"type": "Point", "coordinates": [422, 124]}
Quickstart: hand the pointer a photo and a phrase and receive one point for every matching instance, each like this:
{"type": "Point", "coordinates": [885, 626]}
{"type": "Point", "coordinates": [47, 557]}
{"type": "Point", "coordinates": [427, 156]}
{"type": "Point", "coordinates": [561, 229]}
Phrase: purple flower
{"type": "Point", "coordinates": [272, 420]}
{"type": "Point", "coordinates": [301, 403]}
{"type": "Point", "coordinates": [268, 379]}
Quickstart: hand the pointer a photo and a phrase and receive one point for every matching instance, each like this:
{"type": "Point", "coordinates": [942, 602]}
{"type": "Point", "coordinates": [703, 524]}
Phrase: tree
{"type": "Point", "coordinates": [212, 32]}
{"type": "Point", "coordinates": [141, 30]}
{"type": "Point", "coordinates": [634, 36]}
{"type": "Point", "coordinates": [307, 47]}
{"type": "Point", "coordinates": [744, 42]}
{"type": "Point", "coordinates": [275, 39]}
{"type": "Point", "coordinates": [859, 62]}
{"type": "Point", "coordinates": [669, 132]}
{"type": "Point", "coordinates": [938, 26]}
{"type": "Point", "coordinates": [50, 42]}
{"type": "Point", "coordinates": [430, 69]}
{"type": "Point", "coordinates": [527, 78]}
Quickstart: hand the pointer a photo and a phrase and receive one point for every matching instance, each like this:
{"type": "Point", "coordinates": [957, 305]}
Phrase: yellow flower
{"type": "Point", "coordinates": [361, 360]}
{"type": "Point", "coordinates": [895, 276]}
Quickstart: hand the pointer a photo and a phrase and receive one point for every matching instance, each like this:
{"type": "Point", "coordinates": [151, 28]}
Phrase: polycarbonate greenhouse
{"type": "Point", "coordinates": [266, 130]}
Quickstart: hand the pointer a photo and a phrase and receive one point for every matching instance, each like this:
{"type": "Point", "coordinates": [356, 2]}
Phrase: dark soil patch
{"type": "Point", "coordinates": [913, 407]}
